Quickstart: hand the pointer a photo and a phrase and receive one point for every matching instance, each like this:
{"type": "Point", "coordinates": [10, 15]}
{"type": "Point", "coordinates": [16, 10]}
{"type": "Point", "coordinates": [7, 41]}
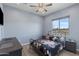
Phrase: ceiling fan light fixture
{"type": "Point", "coordinates": [41, 7]}
{"type": "Point", "coordinates": [41, 10]}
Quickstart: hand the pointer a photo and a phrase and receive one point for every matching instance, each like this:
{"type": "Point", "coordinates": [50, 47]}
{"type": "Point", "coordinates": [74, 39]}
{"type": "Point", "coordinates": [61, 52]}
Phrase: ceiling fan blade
{"type": "Point", "coordinates": [45, 10]}
{"type": "Point", "coordinates": [33, 6]}
{"type": "Point", "coordinates": [36, 10]}
{"type": "Point", "coordinates": [49, 4]}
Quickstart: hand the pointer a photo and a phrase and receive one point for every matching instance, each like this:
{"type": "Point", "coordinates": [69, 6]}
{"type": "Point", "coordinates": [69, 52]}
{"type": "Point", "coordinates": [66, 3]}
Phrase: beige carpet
{"type": "Point", "coordinates": [27, 51]}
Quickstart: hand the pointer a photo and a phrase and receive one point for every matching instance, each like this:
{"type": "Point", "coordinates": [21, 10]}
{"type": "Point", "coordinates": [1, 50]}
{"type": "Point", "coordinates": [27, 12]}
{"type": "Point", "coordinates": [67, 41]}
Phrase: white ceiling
{"type": "Point", "coordinates": [55, 7]}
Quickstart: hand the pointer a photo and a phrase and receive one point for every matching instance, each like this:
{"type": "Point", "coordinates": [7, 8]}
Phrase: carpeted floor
{"type": "Point", "coordinates": [27, 51]}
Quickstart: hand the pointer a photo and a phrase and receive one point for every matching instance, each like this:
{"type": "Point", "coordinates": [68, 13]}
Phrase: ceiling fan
{"type": "Point", "coordinates": [41, 7]}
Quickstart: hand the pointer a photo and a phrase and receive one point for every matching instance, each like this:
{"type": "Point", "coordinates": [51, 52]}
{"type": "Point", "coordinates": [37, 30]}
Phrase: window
{"type": "Point", "coordinates": [61, 23]}
{"type": "Point", "coordinates": [56, 24]}
{"type": "Point", "coordinates": [64, 23]}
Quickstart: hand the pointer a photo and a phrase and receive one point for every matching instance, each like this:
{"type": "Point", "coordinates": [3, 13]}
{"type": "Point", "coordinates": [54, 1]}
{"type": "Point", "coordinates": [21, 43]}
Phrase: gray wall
{"type": "Point", "coordinates": [73, 12]}
{"type": "Point", "coordinates": [20, 24]}
{"type": "Point", "coordinates": [0, 24]}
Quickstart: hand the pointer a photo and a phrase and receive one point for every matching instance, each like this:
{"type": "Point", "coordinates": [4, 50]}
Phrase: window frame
{"type": "Point", "coordinates": [59, 22]}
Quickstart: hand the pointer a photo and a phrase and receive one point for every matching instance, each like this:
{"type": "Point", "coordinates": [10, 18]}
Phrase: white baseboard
{"type": "Point", "coordinates": [25, 44]}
